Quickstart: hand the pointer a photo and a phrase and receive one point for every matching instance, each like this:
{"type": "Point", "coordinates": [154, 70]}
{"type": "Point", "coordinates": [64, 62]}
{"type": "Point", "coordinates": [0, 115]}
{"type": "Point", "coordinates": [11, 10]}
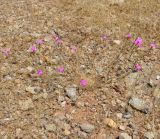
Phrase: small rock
{"type": "Point", "coordinates": [30, 69]}
{"type": "Point", "coordinates": [119, 115]}
{"type": "Point", "coordinates": [139, 104]}
{"type": "Point", "coordinates": [87, 127]}
{"type": "Point", "coordinates": [149, 135]}
{"type": "Point", "coordinates": [26, 104]}
{"type": "Point", "coordinates": [118, 42]}
{"type": "Point", "coordinates": [67, 132]}
{"type": "Point", "coordinates": [51, 127]}
{"type": "Point", "coordinates": [71, 93]}
{"type": "Point", "coordinates": [30, 89]}
{"type": "Point", "coordinates": [158, 77]}
{"type": "Point", "coordinates": [44, 95]}
{"type": "Point", "coordinates": [124, 136]}
{"type": "Point", "coordinates": [63, 104]}
{"type": "Point", "coordinates": [109, 122]}
{"type": "Point", "coordinates": [121, 127]}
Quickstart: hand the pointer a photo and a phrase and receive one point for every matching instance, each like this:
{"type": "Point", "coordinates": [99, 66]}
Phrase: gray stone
{"type": "Point", "coordinates": [124, 136]}
{"type": "Point", "coordinates": [71, 92]}
{"type": "Point", "coordinates": [87, 127]}
{"type": "Point", "coordinates": [139, 104]}
{"type": "Point", "coordinates": [149, 135]}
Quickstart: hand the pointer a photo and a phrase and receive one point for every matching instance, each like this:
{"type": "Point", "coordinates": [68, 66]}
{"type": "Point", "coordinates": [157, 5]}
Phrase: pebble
{"type": "Point", "coordinates": [67, 132]}
{"type": "Point", "coordinates": [71, 92]}
{"type": "Point", "coordinates": [26, 104]}
{"type": "Point", "coordinates": [119, 115]}
{"type": "Point", "coordinates": [139, 104]}
{"type": "Point", "coordinates": [63, 104]}
{"type": "Point", "coordinates": [51, 127]}
{"type": "Point", "coordinates": [118, 42]}
{"type": "Point", "coordinates": [158, 77]}
{"type": "Point", "coordinates": [109, 122]}
{"type": "Point", "coordinates": [30, 69]}
{"type": "Point", "coordinates": [121, 127]}
{"type": "Point", "coordinates": [124, 136]}
{"type": "Point", "coordinates": [149, 135]}
{"type": "Point", "coordinates": [86, 127]}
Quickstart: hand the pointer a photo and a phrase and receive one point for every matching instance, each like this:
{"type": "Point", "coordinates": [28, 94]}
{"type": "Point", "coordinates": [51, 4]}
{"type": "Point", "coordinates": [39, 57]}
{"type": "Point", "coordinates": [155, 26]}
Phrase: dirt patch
{"type": "Point", "coordinates": [87, 39]}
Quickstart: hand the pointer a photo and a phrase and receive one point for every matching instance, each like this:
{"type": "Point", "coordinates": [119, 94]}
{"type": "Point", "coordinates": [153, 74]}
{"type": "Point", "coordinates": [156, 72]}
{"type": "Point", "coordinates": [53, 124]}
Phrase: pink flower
{"type": "Point", "coordinates": [138, 67]}
{"type": "Point", "coordinates": [138, 42]}
{"type": "Point", "coordinates": [6, 51]}
{"type": "Point", "coordinates": [39, 72]}
{"type": "Point", "coordinates": [58, 40]}
{"type": "Point", "coordinates": [129, 36]}
{"type": "Point", "coordinates": [153, 45]}
{"type": "Point", "coordinates": [40, 41]}
{"type": "Point", "coordinates": [104, 37]}
{"type": "Point", "coordinates": [33, 49]}
{"type": "Point", "coordinates": [60, 69]}
{"type": "Point", "coordinates": [73, 49]}
{"type": "Point", "coordinates": [83, 83]}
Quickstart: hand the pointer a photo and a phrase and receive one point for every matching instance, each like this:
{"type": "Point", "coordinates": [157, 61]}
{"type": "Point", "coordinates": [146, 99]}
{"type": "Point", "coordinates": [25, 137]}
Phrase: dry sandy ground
{"type": "Point", "coordinates": [40, 107]}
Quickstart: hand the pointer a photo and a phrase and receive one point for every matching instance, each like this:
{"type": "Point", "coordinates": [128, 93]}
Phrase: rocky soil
{"type": "Point", "coordinates": [67, 69]}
